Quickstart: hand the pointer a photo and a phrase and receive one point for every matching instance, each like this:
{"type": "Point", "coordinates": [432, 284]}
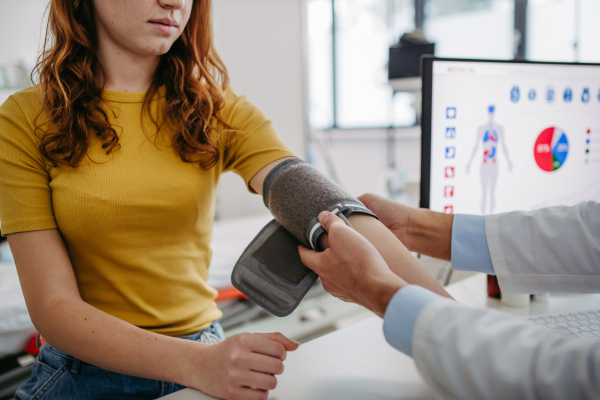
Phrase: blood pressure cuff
{"type": "Point", "coordinates": [296, 193]}
{"type": "Point", "coordinates": [270, 271]}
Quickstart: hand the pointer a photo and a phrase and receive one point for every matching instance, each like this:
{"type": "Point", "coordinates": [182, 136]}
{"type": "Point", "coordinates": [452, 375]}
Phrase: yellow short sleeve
{"type": "Point", "coordinates": [256, 142]}
{"type": "Point", "coordinates": [25, 194]}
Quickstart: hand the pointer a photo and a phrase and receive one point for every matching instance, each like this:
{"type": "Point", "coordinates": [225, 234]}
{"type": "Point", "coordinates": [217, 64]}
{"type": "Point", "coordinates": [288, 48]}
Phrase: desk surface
{"type": "Point", "coordinates": [357, 363]}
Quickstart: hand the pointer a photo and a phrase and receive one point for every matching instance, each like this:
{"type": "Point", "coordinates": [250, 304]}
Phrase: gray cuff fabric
{"type": "Point", "coordinates": [270, 271]}
{"type": "Point", "coordinates": [296, 193]}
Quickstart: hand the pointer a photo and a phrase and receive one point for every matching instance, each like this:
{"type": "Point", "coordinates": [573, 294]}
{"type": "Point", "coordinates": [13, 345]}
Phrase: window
{"type": "Point", "coordinates": [348, 42]}
{"type": "Point", "coordinates": [364, 31]}
{"type": "Point", "coordinates": [563, 30]}
{"type": "Point", "coordinates": [471, 28]}
{"type": "Point", "coordinates": [320, 56]}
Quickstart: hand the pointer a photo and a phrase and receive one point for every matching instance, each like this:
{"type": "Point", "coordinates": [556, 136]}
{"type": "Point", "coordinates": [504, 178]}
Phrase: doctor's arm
{"type": "Point", "coordinates": [553, 249]}
{"type": "Point", "coordinates": [469, 353]}
{"type": "Point", "coordinates": [461, 352]}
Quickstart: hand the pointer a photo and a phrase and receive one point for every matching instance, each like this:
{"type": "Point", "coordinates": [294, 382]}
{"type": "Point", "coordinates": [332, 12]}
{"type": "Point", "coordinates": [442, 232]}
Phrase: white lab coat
{"type": "Point", "coordinates": [467, 353]}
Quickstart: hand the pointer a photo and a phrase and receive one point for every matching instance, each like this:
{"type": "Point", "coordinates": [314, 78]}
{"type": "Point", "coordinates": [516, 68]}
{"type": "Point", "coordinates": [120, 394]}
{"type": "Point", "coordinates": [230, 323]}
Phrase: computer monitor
{"type": "Point", "coordinates": [499, 136]}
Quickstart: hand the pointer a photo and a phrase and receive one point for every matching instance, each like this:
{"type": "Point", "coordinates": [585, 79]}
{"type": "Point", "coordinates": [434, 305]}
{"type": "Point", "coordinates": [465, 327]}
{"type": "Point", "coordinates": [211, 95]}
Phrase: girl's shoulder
{"type": "Point", "coordinates": [19, 112]}
{"type": "Point", "coordinates": [239, 113]}
{"type": "Point", "coordinates": [25, 103]}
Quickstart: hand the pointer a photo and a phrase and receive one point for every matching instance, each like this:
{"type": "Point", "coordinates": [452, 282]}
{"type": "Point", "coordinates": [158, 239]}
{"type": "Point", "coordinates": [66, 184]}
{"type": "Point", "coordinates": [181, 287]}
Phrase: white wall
{"type": "Point", "coordinates": [260, 42]}
{"type": "Point", "coordinates": [20, 29]}
{"type": "Point", "coordinates": [360, 159]}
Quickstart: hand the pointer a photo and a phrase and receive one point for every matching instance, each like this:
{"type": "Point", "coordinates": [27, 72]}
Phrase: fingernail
{"type": "Point", "coordinates": [324, 217]}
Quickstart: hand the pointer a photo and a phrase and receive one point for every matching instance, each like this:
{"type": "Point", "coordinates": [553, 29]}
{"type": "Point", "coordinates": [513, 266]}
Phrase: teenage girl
{"type": "Point", "coordinates": [107, 193]}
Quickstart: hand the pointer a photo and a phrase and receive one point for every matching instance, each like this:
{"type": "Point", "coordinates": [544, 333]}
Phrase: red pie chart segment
{"type": "Point", "coordinates": [542, 150]}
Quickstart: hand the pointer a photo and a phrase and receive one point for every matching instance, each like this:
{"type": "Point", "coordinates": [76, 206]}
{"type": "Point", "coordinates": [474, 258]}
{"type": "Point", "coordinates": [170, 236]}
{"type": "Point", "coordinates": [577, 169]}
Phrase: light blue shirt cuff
{"type": "Point", "coordinates": [470, 250]}
{"type": "Point", "coordinates": [402, 313]}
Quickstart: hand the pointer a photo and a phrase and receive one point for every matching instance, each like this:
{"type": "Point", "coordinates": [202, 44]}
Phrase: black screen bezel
{"type": "Point", "coordinates": [427, 96]}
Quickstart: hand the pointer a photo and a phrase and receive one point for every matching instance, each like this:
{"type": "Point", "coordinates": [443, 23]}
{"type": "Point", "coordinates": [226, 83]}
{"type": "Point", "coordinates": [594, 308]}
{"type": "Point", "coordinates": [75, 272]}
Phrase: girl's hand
{"type": "Point", "coordinates": [241, 367]}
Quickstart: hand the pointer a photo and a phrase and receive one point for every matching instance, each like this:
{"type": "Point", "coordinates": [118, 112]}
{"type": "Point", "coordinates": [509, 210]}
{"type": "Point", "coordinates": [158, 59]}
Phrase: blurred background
{"type": "Point", "coordinates": [319, 70]}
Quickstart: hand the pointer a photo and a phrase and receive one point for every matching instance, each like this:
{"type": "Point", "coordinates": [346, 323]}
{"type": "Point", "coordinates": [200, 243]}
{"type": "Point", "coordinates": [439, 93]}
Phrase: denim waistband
{"type": "Point", "coordinates": [214, 328]}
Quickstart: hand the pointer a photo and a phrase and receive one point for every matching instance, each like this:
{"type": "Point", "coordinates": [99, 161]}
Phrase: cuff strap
{"type": "Point", "coordinates": [346, 208]}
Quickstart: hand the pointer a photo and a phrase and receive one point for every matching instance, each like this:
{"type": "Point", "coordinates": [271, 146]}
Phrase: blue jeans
{"type": "Point", "coordinates": [57, 375]}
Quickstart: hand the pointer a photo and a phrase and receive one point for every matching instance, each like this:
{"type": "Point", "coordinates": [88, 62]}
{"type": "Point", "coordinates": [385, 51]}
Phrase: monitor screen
{"type": "Point", "coordinates": [503, 136]}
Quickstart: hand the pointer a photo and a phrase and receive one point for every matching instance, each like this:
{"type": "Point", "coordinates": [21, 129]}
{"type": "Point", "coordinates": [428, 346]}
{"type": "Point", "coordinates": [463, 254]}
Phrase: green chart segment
{"type": "Point", "coordinates": [551, 149]}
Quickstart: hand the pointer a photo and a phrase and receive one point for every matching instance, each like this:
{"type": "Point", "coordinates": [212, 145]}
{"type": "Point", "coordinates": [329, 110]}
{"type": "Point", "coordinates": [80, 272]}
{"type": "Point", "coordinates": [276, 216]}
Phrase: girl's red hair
{"type": "Point", "coordinates": [192, 74]}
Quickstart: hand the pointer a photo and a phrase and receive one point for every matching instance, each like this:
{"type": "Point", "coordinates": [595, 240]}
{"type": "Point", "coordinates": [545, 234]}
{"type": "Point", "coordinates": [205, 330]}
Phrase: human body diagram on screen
{"type": "Point", "coordinates": [490, 136]}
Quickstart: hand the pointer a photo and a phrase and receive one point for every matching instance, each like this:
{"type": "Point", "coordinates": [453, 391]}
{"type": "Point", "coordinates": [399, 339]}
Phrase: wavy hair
{"type": "Point", "coordinates": [192, 74]}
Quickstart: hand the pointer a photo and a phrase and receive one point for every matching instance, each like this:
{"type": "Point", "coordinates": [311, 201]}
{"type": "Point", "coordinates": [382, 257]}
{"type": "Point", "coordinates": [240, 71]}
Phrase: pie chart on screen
{"type": "Point", "coordinates": [551, 149]}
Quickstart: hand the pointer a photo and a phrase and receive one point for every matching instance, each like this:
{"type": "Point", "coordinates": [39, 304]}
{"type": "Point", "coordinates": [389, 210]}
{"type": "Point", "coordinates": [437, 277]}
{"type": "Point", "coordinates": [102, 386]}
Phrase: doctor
{"type": "Point", "coordinates": [468, 353]}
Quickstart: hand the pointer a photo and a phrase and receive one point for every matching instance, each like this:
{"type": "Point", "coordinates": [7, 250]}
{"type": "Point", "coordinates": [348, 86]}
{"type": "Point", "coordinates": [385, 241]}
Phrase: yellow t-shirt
{"type": "Point", "coordinates": [137, 223]}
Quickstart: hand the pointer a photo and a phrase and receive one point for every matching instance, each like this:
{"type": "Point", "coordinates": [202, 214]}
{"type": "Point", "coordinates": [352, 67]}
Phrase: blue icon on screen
{"type": "Point", "coordinates": [451, 112]}
{"type": "Point", "coordinates": [532, 94]}
{"type": "Point", "coordinates": [515, 94]}
{"type": "Point", "coordinates": [450, 152]}
{"type": "Point", "coordinates": [450, 133]}
{"type": "Point", "coordinates": [585, 96]}
{"type": "Point", "coordinates": [598, 95]}
{"type": "Point", "coordinates": [568, 96]}
{"type": "Point", "coordinates": [550, 94]}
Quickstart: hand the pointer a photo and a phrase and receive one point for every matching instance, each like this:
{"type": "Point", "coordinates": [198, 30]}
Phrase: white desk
{"type": "Point", "coordinates": [357, 363]}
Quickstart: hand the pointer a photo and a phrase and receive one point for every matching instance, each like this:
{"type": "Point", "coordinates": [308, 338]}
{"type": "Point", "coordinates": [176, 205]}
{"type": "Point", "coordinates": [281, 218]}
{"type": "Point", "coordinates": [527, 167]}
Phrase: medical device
{"type": "Point", "coordinates": [270, 271]}
{"type": "Point", "coordinates": [499, 136]}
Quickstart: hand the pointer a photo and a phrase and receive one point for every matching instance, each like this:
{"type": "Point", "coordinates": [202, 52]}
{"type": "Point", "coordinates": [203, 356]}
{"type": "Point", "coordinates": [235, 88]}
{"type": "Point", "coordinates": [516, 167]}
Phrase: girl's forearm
{"type": "Point", "coordinates": [100, 339]}
{"type": "Point", "coordinates": [395, 254]}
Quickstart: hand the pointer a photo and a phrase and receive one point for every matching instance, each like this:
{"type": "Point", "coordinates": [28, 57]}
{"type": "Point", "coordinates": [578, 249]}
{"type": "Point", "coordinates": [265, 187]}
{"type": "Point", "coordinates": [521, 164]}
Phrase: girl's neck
{"type": "Point", "coordinates": [124, 71]}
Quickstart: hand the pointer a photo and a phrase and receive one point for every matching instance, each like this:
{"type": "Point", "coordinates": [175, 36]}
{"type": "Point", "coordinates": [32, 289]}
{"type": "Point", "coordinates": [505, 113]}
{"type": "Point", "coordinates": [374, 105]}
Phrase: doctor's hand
{"type": "Point", "coordinates": [420, 230]}
{"type": "Point", "coordinates": [393, 215]}
{"type": "Point", "coordinates": [351, 269]}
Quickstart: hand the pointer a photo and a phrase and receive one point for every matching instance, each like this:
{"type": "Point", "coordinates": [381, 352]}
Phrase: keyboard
{"type": "Point", "coordinates": [585, 324]}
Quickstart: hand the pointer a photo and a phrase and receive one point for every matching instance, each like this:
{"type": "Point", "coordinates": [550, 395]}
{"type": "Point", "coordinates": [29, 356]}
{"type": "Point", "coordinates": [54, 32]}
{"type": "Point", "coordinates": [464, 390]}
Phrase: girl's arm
{"type": "Point", "coordinates": [225, 370]}
{"type": "Point", "coordinates": [395, 254]}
